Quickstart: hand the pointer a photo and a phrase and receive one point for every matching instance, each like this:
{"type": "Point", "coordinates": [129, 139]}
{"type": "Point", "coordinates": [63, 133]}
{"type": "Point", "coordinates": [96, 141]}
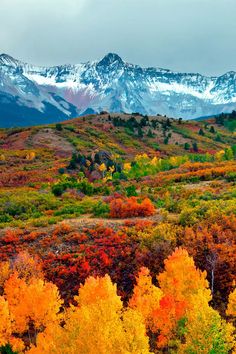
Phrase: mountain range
{"type": "Point", "coordinates": [31, 95]}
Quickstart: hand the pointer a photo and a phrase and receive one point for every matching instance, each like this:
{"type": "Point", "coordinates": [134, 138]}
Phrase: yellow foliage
{"type": "Point", "coordinates": [164, 231]}
{"type": "Point", "coordinates": [17, 344]}
{"type": "Point", "coordinates": [111, 169]}
{"type": "Point", "coordinates": [219, 155]}
{"type": "Point", "coordinates": [231, 309]}
{"type": "Point", "coordinates": [37, 301]}
{"type": "Point", "coordinates": [154, 161]}
{"type": "Point", "coordinates": [97, 325]}
{"type": "Point", "coordinates": [27, 266]}
{"type": "Point", "coordinates": [5, 322]}
{"type": "Point", "coordinates": [127, 166]}
{"type": "Point", "coordinates": [206, 332]}
{"type": "Point", "coordinates": [141, 158]}
{"type": "Point", "coordinates": [102, 167]}
{"type": "Point", "coordinates": [136, 340]}
{"type": "Point", "coordinates": [30, 156]}
{"type": "Point", "coordinates": [146, 296]}
{"type": "Point", "coordinates": [4, 272]}
{"type": "Point", "coordinates": [182, 279]}
{"type": "Point", "coordinates": [15, 290]}
{"type": "Point", "coordinates": [174, 161]}
{"type": "Point", "coordinates": [53, 340]}
{"type": "Point", "coordinates": [2, 157]}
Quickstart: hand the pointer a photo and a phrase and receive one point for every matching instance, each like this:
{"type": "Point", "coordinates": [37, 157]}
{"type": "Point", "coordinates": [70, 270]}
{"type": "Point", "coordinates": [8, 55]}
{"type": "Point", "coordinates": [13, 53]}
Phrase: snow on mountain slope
{"type": "Point", "coordinates": [109, 84]}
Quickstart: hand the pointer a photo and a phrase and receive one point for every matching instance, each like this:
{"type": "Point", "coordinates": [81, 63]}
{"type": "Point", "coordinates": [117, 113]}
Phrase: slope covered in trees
{"type": "Point", "coordinates": [174, 316]}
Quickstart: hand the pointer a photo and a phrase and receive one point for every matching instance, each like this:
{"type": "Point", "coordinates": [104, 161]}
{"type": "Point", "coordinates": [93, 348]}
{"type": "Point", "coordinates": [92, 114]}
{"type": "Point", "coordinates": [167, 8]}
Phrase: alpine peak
{"type": "Point", "coordinates": [66, 91]}
{"type": "Point", "coordinates": [6, 59]}
{"type": "Point", "coordinates": [111, 58]}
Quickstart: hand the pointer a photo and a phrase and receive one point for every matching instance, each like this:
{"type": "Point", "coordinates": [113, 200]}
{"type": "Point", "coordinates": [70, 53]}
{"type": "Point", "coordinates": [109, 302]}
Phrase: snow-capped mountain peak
{"type": "Point", "coordinates": [110, 84]}
{"type": "Point", "coordinates": [110, 59]}
{"type": "Point", "coordinates": [6, 59]}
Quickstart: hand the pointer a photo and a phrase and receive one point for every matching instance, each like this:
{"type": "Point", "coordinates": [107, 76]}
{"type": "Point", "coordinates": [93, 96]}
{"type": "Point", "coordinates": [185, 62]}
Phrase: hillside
{"type": "Point", "coordinates": [137, 214]}
{"type": "Point", "coordinates": [123, 134]}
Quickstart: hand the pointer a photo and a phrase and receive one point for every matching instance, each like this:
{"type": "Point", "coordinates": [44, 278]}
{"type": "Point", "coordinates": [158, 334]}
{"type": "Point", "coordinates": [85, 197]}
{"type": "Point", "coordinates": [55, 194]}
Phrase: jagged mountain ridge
{"type": "Point", "coordinates": [35, 95]}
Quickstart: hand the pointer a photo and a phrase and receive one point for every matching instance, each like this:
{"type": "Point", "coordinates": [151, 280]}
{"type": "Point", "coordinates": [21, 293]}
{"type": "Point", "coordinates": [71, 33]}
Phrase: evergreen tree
{"type": "Point", "coordinates": [186, 146]}
{"type": "Point", "coordinates": [201, 132]}
{"type": "Point", "coordinates": [150, 134]}
{"type": "Point", "coordinates": [58, 127]}
{"type": "Point", "coordinates": [212, 130]}
{"type": "Point", "coordinates": [218, 138]}
{"type": "Point", "coordinates": [195, 147]}
{"type": "Point", "coordinates": [166, 140]}
{"type": "Point", "coordinates": [168, 122]}
{"type": "Point", "coordinates": [140, 132]}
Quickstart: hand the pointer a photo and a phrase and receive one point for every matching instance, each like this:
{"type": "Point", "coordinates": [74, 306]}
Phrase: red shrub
{"type": "Point", "coordinates": [129, 207]}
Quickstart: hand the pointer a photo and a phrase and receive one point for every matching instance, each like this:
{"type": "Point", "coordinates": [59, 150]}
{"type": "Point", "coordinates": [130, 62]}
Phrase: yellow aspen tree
{"type": "Point", "coordinates": [5, 272]}
{"type": "Point", "coordinates": [182, 279]}
{"type": "Point", "coordinates": [30, 156]}
{"type": "Point", "coordinates": [36, 301]}
{"type": "Point", "coordinates": [181, 282]}
{"type": "Point", "coordinates": [14, 291]}
{"type": "Point", "coordinates": [102, 168]}
{"type": "Point", "coordinates": [231, 309]}
{"type": "Point", "coordinates": [205, 331]}
{"type": "Point", "coordinates": [97, 325]}
{"type": "Point", "coordinates": [146, 296]}
{"type": "Point", "coordinates": [5, 322]}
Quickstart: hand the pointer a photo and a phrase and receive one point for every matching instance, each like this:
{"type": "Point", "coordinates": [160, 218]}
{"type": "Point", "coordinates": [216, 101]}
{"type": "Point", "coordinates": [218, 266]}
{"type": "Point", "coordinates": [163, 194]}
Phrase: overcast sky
{"type": "Point", "coordinates": [182, 35]}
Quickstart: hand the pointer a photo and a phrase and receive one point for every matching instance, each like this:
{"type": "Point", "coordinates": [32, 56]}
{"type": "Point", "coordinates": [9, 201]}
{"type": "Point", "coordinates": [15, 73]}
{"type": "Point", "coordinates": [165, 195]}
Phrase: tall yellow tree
{"type": "Point", "coordinates": [181, 282]}
{"type": "Point", "coordinates": [194, 327]}
{"type": "Point", "coordinates": [6, 336]}
{"type": "Point", "coordinates": [146, 296]}
{"type": "Point", "coordinates": [231, 309]}
{"type": "Point", "coordinates": [5, 322]}
{"type": "Point", "coordinates": [182, 279]}
{"type": "Point", "coordinates": [37, 302]}
{"type": "Point", "coordinates": [206, 332]}
{"type": "Point", "coordinates": [97, 325]}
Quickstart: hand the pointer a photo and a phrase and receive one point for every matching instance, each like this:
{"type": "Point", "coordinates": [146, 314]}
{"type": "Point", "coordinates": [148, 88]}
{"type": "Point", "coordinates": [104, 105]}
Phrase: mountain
{"type": "Point", "coordinates": [32, 95]}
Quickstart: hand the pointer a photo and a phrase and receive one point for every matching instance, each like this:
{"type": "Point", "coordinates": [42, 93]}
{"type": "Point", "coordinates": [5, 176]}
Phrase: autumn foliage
{"type": "Point", "coordinates": [126, 245]}
{"type": "Point", "coordinates": [175, 312]}
{"type": "Point", "coordinates": [130, 207]}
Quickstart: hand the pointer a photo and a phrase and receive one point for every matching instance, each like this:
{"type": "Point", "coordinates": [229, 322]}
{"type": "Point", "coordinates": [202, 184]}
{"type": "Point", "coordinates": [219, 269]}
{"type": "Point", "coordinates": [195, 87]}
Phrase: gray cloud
{"type": "Point", "coordinates": [183, 35]}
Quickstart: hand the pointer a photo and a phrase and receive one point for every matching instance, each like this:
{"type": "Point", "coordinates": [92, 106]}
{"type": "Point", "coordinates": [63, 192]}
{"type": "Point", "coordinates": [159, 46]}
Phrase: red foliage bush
{"type": "Point", "coordinates": [12, 236]}
{"type": "Point", "coordinates": [129, 207]}
{"type": "Point", "coordinates": [96, 252]}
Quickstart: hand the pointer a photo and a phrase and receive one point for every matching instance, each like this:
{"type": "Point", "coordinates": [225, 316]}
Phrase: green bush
{"type": "Point", "coordinates": [61, 171]}
{"type": "Point", "coordinates": [58, 127]}
{"type": "Point", "coordinates": [131, 191]}
{"type": "Point", "coordinates": [58, 189]}
{"type": "Point", "coordinates": [25, 204]}
{"type": "Point", "coordinates": [5, 218]}
{"type": "Point", "coordinates": [101, 209]}
{"type": "Point", "coordinates": [6, 349]}
{"type": "Point", "coordinates": [85, 187]}
{"type": "Point", "coordinates": [231, 176]}
{"type": "Point", "coordinates": [70, 209]}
